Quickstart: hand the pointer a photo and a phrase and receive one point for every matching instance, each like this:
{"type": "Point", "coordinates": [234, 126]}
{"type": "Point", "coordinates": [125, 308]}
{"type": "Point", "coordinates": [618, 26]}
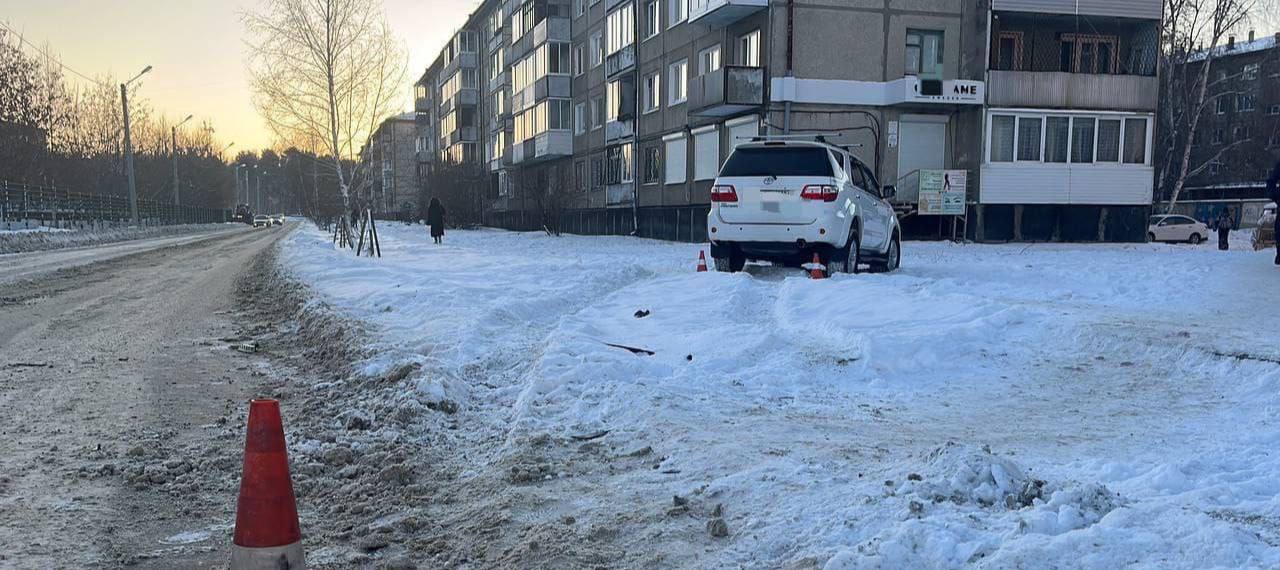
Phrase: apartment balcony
{"type": "Point", "coordinates": [620, 62]}
{"type": "Point", "coordinates": [501, 161]}
{"type": "Point", "coordinates": [550, 86]}
{"type": "Point", "coordinates": [543, 146]}
{"type": "Point", "coordinates": [721, 13]}
{"type": "Point", "coordinates": [463, 61]}
{"type": "Point", "coordinates": [619, 194]}
{"type": "Point", "coordinates": [1058, 90]}
{"type": "Point", "coordinates": [727, 91]}
{"type": "Point", "coordinates": [502, 80]}
{"type": "Point", "coordinates": [611, 4]}
{"type": "Point", "coordinates": [463, 98]}
{"type": "Point", "coordinates": [619, 129]}
{"type": "Point", "coordinates": [497, 41]}
{"type": "Point", "coordinates": [1145, 9]}
{"type": "Point", "coordinates": [551, 30]}
{"type": "Point", "coordinates": [423, 104]}
{"type": "Point", "coordinates": [461, 134]}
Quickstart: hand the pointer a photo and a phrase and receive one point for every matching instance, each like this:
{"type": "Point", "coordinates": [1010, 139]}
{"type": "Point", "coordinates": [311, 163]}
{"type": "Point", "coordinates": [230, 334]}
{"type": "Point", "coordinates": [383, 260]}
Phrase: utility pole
{"type": "Point", "coordinates": [174, 149]}
{"type": "Point", "coordinates": [128, 147]}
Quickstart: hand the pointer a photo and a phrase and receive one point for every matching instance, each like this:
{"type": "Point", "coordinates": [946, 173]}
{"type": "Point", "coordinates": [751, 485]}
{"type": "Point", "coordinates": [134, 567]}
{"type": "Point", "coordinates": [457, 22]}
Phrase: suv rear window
{"type": "Point", "coordinates": [778, 161]}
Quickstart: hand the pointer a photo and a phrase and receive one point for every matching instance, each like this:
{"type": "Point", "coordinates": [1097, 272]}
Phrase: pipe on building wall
{"type": "Point", "coordinates": [790, 71]}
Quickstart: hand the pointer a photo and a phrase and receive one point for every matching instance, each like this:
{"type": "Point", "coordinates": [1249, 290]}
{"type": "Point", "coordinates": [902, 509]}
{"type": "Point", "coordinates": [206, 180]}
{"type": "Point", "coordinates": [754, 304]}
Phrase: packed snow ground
{"type": "Point", "coordinates": [1093, 406]}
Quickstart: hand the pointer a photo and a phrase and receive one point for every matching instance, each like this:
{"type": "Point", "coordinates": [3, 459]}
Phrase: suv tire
{"type": "Point", "coordinates": [892, 258]}
{"type": "Point", "coordinates": [732, 264]}
{"type": "Point", "coordinates": [1195, 239]}
{"type": "Point", "coordinates": [847, 258]}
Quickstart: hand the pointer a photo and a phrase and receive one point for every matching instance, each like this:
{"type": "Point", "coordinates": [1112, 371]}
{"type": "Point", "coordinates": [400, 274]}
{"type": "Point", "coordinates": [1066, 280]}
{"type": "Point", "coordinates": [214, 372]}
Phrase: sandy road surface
{"type": "Point", "coordinates": [104, 367]}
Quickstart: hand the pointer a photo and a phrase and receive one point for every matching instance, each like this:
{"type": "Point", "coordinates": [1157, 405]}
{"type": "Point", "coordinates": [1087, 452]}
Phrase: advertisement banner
{"type": "Point", "coordinates": [942, 192]}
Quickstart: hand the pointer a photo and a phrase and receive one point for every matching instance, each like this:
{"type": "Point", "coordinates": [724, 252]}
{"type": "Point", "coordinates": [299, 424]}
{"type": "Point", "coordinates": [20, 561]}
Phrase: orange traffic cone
{"type": "Point", "coordinates": [702, 261]}
{"type": "Point", "coordinates": [816, 269]}
{"type": "Point", "coordinates": [267, 534]}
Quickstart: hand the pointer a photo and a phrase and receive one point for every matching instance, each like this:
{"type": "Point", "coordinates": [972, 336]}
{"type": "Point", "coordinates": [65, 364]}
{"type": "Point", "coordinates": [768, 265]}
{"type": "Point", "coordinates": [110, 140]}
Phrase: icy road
{"type": "Point", "coordinates": [1019, 406]}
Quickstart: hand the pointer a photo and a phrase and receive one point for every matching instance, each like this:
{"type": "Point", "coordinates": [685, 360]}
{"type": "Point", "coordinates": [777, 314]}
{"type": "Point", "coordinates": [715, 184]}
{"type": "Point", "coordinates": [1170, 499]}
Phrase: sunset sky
{"type": "Point", "coordinates": [197, 49]}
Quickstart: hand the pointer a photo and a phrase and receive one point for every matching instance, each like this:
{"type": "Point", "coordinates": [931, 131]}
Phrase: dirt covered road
{"type": "Point", "coordinates": [122, 383]}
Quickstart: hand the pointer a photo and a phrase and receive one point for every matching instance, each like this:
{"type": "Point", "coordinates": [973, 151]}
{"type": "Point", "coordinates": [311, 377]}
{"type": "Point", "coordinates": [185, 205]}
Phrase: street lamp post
{"type": "Point", "coordinates": [174, 149]}
{"type": "Point", "coordinates": [128, 147]}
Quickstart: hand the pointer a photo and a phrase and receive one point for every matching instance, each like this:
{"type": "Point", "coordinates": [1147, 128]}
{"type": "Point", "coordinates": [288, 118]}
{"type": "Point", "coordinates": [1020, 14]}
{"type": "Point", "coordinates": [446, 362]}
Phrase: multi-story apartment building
{"type": "Point", "coordinates": [1237, 140]}
{"type": "Point", "coordinates": [628, 107]}
{"type": "Point", "coordinates": [1071, 101]}
{"type": "Point", "coordinates": [389, 167]}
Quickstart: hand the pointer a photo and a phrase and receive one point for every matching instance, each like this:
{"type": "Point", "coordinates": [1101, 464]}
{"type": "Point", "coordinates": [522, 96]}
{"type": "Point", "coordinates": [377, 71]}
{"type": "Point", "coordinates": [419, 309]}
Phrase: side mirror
{"type": "Point", "coordinates": [889, 190]}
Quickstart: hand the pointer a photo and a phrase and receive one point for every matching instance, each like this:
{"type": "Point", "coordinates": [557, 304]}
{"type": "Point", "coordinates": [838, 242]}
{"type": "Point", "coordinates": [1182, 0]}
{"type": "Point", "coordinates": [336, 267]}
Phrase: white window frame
{"type": "Point", "coordinates": [580, 118]}
{"type": "Point", "coordinates": [596, 49]}
{"type": "Point", "coordinates": [705, 55]}
{"type": "Point", "coordinates": [748, 44]}
{"type": "Point", "coordinates": [1044, 134]}
{"type": "Point", "coordinates": [671, 175]}
{"type": "Point", "coordinates": [652, 19]}
{"type": "Point", "coordinates": [711, 133]}
{"type": "Point", "coordinates": [677, 12]}
{"type": "Point", "coordinates": [678, 76]}
{"type": "Point", "coordinates": [653, 93]}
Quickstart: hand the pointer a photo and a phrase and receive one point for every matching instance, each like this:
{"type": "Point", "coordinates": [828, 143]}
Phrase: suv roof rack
{"type": "Point", "coordinates": [819, 137]}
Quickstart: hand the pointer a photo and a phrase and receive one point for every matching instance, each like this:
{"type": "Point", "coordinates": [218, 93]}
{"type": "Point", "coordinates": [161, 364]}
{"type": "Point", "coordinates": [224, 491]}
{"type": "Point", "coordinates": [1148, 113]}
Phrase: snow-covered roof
{"type": "Point", "coordinates": [1259, 44]}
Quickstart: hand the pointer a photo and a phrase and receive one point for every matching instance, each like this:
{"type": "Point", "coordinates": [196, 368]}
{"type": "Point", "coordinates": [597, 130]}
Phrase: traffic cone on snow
{"type": "Point", "coordinates": [816, 269]}
{"type": "Point", "coordinates": [702, 261]}
{"type": "Point", "coordinates": [267, 534]}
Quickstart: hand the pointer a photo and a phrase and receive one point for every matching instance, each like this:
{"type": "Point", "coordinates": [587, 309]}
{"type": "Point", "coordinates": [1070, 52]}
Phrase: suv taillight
{"type": "Point", "coordinates": [723, 193]}
{"type": "Point", "coordinates": [824, 192]}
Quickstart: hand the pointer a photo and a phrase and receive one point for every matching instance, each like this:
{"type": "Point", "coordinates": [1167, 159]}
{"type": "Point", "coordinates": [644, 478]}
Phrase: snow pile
{"type": "Point", "coordinates": [19, 241]}
{"type": "Point", "coordinates": [595, 378]}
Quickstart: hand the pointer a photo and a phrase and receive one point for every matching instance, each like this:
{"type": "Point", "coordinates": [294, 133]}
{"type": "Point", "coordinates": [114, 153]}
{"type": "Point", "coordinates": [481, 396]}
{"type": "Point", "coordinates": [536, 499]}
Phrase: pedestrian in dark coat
{"type": "Point", "coordinates": [1273, 192]}
{"type": "Point", "coordinates": [1224, 228]}
{"type": "Point", "coordinates": [435, 218]}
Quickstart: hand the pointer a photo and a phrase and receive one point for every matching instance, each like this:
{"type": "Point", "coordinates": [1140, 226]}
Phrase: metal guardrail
{"type": "Point", "coordinates": [58, 207]}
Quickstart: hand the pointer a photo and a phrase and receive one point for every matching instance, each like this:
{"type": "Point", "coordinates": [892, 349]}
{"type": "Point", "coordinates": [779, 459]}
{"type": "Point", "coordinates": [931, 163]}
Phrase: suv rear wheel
{"type": "Point", "coordinates": [732, 264]}
{"type": "Point", "coordinates": [846, 259]}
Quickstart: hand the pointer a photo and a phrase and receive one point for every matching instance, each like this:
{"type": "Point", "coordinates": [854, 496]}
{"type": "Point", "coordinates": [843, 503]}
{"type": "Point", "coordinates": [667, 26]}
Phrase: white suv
{"type": "Point", "coordinates": [784, 200]}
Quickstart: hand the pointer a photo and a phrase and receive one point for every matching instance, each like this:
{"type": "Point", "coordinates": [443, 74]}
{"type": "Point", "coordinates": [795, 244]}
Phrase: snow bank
{"type": "Point", "coordinates": [1128, 392]}
{"type": "Point", "coordinates": [40, 239]}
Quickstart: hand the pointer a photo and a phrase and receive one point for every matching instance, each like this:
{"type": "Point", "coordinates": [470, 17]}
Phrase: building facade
{"type": "Point", "coordinates": [1237, 140]}
{"type": "Point", "coordinates": [389, 167]}
{"type": "Point", "coordinates": [619, 113]}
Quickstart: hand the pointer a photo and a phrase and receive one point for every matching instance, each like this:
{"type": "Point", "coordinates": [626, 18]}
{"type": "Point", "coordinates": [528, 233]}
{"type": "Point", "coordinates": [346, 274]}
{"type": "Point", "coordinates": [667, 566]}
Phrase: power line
{"type": "Point", "coordinates": [50, 57]}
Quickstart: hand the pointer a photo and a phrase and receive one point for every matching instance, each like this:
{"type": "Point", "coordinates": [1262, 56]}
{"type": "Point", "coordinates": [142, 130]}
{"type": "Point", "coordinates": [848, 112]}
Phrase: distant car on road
{"type": "Point", "coordinates": [278, 219]}
{"type": "Point", "coordinates": [1176, 228]}
{"type": "Point", "coordinates": [784, 200]}
{"type": "Point", "coordinates": [261, 221]}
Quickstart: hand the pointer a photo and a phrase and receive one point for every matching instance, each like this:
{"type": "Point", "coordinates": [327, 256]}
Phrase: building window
{"type": "Point", "coordinates": [597, 49]}
{"type": "Point", "coordinates": [924, 53]}
{"type": "Point", "coordinates": [555, 56]}
{"type": "Point", "coordinates": [652, 23]}
{"type": "Point", "coordinates": [1135, 141]}
{"type": "Point", "coordinates": [1108, 140]}
{"type": "Point", "coordinates": [579, 60]}
{"type": "Point", "coordinates": [706, 154]}
{"type": "Point", "coordinates": [652, 93]}
{"type": "Point", "coordinates": [652, 166]}
{"type": "Point", "coordinates": [1217, 136]}
{"type": "Point", "coordinates": [1273, 140]}
{"type": "Point", "coordinates": [580, 175]}
{"type": "Point", "coordinates": [597, 172]}
{"type": "Point", "coordinates": [1088, 53]}
{"type": "Point", "coordinates": [579, 118]}
{"type": "Point", "coordinates": [1215, 167]}
{"type": "Point", "coordinates": [597, 113]}
{"type": "Point", "coordinates": [678, 10]}
{"type": "Point", "coordinates": [678, 82]}
{"type": "Point", "coordinates": [622, 31]}
{"type": "Point", "coordinates": [1250, 72]}
{"type": "Point", "coordinates": [579, 7]}
{"type": "Point", "coordinates": [749, 49]}
{"type": "Point", "coordinates": [1057, 132]}
{"type": "Point", "coordinates": [1240, 134]}
{"type": "Point", "coordinates": [1009, 51]}
{"type": "Point", "coordinates": [1224, 104]}
{"type": "Point", "coordinates": [619, 163]}
{"type": "Point", "coordinates": [1246, 103]}
{"type": "Point", "coordinates": [1002, 138]}
{"type": "Point", "coordinates": [1029, 129]}
{"type": "Point", "coordinates": [1082, 132]}
{"type": "Point", "coordinates": [677, 153]}
{"type": "Point", "coordinates": [709, 60]}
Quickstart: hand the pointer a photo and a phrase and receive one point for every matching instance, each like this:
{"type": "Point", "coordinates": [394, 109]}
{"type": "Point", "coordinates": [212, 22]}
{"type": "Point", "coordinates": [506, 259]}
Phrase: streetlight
{"type": "Point", "coordinates": [128, 146]}
{"type": "Point", "coordinates": [174, 149]}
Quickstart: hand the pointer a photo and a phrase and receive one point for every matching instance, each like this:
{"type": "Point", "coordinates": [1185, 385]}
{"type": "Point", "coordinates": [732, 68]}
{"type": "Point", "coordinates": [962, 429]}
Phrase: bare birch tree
{"type": "Point", "coordinates": [1191, 37]}
{"type": "Point", "coordinates": [323, 74]}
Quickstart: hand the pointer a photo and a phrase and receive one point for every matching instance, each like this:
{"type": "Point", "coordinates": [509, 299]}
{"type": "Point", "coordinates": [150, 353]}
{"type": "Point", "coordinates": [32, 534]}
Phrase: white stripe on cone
{"type": "Point", "coordinates": [287, 557]}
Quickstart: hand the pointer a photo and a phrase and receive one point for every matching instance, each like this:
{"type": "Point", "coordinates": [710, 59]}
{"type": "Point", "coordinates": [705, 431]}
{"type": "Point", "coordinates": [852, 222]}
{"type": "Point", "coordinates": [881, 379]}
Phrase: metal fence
{"type": "Point", "coordinates": [671, 223]}
{"type": "Point", "coordinates": [55, 207]}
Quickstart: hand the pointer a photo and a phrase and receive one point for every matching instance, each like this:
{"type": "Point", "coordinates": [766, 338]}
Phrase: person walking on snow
{"type": "Point", "coordinates": [435, 218]}
{"type": "Point", "coordinates": [1224, 229]}
{"type": "Point", "coordinates": [1273, 192]}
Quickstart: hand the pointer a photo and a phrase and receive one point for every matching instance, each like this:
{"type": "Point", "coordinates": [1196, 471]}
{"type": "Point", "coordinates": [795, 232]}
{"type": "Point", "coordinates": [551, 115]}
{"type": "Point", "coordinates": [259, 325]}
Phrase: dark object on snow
{"type": "Point", "coordinates": [591, 436]}
{"type": "Point", "coordinates": [1273, 192]}
{"type": "Point", "coordinates": [634, 350]}
{"type": "Point", "coordinates": [642, 313]}
{"type": "Point", "coordinates": [435, 219]}
{"type": "Point", "coordinates": [1224, 229]}
{"type": "Point", "coordinates": [688, 357]}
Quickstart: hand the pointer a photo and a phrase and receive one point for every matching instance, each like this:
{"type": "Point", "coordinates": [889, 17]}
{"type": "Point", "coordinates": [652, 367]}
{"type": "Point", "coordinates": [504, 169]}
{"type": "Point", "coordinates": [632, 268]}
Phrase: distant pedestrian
{"type": "Point", "coordinates": [1224, 229]}
{"type": "Point", "coordinates": [1273, 192]}
{"type": "Point", "coordinates": [435, 218]}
